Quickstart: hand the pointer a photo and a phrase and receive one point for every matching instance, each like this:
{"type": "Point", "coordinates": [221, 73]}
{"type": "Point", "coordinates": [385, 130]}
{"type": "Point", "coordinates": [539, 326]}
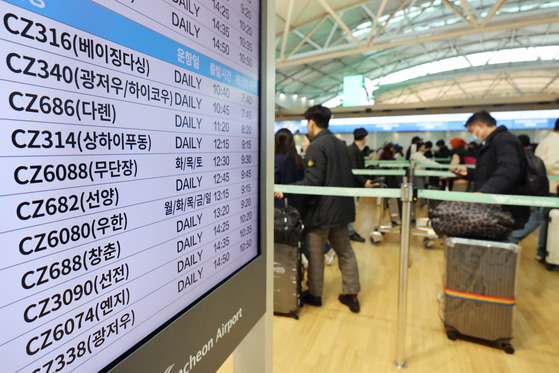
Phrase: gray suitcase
{"type": "Point", "coordinates": [287, 280]}
{"type": "Point", "coordinates": [479, 287]}
{"type": "Point", "coordinates": [552, 258]}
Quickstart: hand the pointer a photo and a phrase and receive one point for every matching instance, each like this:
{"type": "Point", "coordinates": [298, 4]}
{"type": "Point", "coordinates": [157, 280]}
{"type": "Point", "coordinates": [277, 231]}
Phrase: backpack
{"type": "Point", "coordinates": [288, 227]}
{"type": "Point", "coordinates": [536, 182]}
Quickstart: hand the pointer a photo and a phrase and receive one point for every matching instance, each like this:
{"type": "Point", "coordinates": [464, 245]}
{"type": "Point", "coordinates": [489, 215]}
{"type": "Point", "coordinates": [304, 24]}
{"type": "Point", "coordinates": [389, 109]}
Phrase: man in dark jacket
{"type": "Point", "coordinates": [327, 217]}
{"type": "Point", "coordinates": [500, 163]}
{"type": "Point", "coordinates": [444, 151]}
{"type": "Point", "coordinates": [358, 163]}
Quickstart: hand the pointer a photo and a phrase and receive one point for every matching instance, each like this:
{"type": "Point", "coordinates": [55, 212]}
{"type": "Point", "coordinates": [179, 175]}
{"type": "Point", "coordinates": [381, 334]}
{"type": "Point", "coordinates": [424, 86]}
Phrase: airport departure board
{"type": "Point", "coordinates": [129, 158]}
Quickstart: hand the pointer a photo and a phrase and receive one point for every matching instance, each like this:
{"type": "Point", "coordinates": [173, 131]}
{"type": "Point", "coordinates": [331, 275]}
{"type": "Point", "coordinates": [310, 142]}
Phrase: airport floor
{"type": "Point", "coordinates": [332, 339]}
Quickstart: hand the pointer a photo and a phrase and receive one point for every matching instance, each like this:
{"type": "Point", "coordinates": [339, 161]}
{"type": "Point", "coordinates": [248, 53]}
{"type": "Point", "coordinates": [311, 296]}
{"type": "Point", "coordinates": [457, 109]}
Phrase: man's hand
{"type": "Point", "coordinates": [462, 171]}
{"type": "Point", "coordinates": [368, 184]}
{"type": "Point", "coordinates": [278, 195]}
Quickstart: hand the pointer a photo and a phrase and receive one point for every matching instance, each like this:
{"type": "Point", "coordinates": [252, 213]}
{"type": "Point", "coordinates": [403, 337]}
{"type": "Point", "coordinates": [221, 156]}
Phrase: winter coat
{"type": "Point", "coordinates": [357, 162]}
{"type": "Point", "coordinates": [327, 164]}
{"type": "Point", "coordinates": [285, 172]}
{"type": "Point", "coordinates": [500, 169]}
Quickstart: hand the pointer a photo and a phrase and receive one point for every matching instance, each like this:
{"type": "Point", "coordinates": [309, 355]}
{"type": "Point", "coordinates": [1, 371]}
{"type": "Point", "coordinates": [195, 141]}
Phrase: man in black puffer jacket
{"type": "Point", "coordinates": [500, 164]}
{"type": "Point", "coordinates": [326, 217]}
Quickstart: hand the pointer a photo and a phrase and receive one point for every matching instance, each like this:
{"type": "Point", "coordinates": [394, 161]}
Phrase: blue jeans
{"type": "Point", "coordinates": [538, 218]}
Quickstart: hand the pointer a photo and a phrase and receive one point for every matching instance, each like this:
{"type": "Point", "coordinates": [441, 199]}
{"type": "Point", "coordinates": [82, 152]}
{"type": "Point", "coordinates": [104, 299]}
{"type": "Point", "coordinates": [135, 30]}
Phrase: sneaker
{"type": "Point", "coordinates": [351, 301]}
{"type": "Point", "coordinates": [356, 237]}
{"type": "Point", "coordinates": [304, 261]}
{"type": "Point", "coordinates": [329, 257]}
{"type": "Point", "coordinates": [308, 298]}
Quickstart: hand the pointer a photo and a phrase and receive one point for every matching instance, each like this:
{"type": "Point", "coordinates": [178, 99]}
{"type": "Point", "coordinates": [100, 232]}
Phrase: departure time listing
{"type": "Point", "coordinates": [129, 150]}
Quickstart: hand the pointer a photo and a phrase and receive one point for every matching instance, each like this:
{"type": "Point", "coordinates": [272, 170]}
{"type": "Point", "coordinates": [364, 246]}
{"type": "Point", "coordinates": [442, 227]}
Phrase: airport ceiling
{"type": "Point", "coordinates": [417, 51]}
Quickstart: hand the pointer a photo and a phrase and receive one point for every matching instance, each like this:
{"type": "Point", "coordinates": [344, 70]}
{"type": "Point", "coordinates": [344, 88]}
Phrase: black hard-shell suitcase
{"type": "Point", "coordinates": [479, 288]}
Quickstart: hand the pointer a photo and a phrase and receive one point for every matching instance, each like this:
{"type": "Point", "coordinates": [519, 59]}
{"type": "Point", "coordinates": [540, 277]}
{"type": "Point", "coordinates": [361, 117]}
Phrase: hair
{"type": "Point", "coordinates": [416, 140]}
{"type": "Point", "coordinates": [360, 134]}
{"type": "Point", "coordinates": [285, 144]}
{"type": "Point", "coordinates": [388, 146]}
{"type": "Point", "coordinates": [556, 125]}
{"type": "Point", "coordinates": [524, 140]}
{"type": "Point", "coordinates": [319, 114]}
{"type": "Point", "coordinates": [428, 144]}
{"type": "Point", "coordinates": [483, 117]}
{"type": "Point", "coordinates": [457, 143]}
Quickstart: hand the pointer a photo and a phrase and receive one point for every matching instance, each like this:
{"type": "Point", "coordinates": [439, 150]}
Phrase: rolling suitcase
{"type": "Point", "coordinates": [288, 271]}
{"type": "Point", "coordinates": [479, 288]}
{"type": "Point", "coordinates": [287, 280]}
{"type": "Point", "coordinates": [552, 258]}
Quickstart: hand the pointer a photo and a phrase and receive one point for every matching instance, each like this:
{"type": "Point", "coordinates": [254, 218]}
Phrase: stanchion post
{"type": "Point", "coordinates": [411, 172]}
{"type": "Point", "coordinates": [407, 197]}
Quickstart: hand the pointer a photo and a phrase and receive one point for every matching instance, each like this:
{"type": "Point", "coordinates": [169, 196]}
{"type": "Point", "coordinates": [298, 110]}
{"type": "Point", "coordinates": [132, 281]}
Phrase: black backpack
{"type": "Point", "coordinates": [288, 227]}
{"type": "Point", "coordinates": [536, 182]}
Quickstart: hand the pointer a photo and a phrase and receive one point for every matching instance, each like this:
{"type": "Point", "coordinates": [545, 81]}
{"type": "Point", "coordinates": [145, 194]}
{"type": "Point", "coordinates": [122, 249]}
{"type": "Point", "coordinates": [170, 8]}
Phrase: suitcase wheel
{"type": "Point", "coordinates": [506, 346]}
{"type": "Point", "coordinates": [428, 243]}
{"type": "Point", "coordinates": [551, 267]}
{"type": "Point", "coordinates": [376, 238]}
{"type": "Point", "coordinates": [451, 334]}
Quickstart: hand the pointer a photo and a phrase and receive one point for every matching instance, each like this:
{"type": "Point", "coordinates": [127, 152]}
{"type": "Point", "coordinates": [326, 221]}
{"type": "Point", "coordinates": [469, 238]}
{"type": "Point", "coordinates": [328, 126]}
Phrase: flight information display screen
{"type": "Point", "coordinates": [129, 158]}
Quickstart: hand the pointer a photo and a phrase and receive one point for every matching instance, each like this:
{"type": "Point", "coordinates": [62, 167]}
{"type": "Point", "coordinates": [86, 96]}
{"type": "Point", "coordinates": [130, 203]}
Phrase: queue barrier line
{"type": "Point", "coordinates": [500, 199]}
{"type": "Point", "coordinates": [445, 165]}
{"type": "Point", "coordinates": [388, 163]}
{"type": "Point", "coordinates": [379, 172]}
{"type": "Point", "coordinates": [338, 191]}
{"type": "Point", "coordinates": [553, 177]}
{"type": "Point", "coordinates": [434, 173]}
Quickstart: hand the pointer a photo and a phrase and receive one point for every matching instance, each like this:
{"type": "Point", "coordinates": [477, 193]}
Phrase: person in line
{"type": "Point", "coordinates": [398, 153]}
{"type": "Point", "coordinates": [288, 166]}
{"type": "Point", "coordinates": [387, 152]}
{"type": "Point", "coordinates": [327, 217]}
{"type": "Point", "coordinates": [473, 148]}
{"type": "Point", "coordinates": [500, 164]}
{"type": "Point", "coordinates": [460, 155]}
{"type": "Point", "coordinates": [419, 157]}
{"type": "Point", "coordinates": [329, 253]}
{"type": "Point", "coordinates": [413, 147]}
{"type": "Point", "coordinates": [428, 152]}
{"type": "Point", "coordinates": [358, 163]}
{"type": "Point", "coordinates": [548, 151]}
{"type": "Point", "coordinates": [443, 151]}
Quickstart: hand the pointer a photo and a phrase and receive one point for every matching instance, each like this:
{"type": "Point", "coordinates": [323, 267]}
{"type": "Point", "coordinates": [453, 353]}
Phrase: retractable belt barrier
{"type": "Point", "coordinates": [430, 165]}
{"type": "Point", "coordinates": [388, 163]}
{"type": "Point", "coordinates": [379, 172]}
{"type": "Point", "coordinates": [434, 173]}
{"type": "Point", "coordinates": [339, 191]}
{"type": "Point", "coordinates": [500, 199]}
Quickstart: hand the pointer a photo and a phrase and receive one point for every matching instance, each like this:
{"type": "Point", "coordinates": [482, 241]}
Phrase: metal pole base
{"type": "Point", "coordinates": [405, 366]}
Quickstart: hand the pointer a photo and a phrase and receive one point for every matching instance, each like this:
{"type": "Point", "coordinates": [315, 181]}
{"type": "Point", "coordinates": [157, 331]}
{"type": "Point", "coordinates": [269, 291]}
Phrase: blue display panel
{"type": "Point", "coordinates": [129, 154]}
{"type": "Point", "coordinates": [515, 120]}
